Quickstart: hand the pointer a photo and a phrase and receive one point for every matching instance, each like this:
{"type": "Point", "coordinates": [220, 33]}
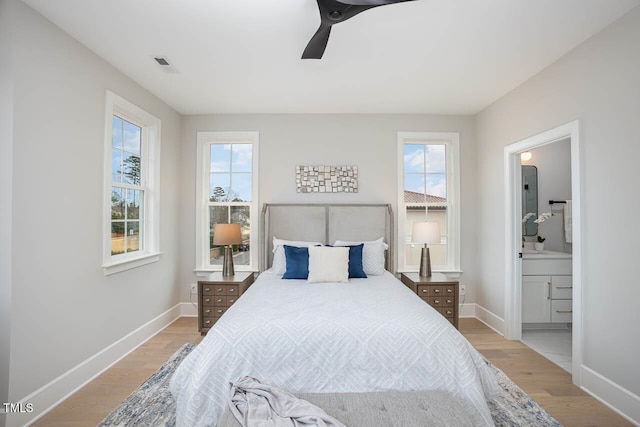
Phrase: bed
{"type": "Point", "coordinates": [368, 335]}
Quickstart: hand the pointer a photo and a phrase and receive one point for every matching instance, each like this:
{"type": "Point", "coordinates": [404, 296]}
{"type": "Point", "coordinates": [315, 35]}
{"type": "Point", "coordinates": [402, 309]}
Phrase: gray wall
{"type": "Point", "coordinates": [64, 309]}
{"type": "Point", "coordinates": [553, 162]}
{"type": "Point", "coordinates": [6, 168]}
{"type": "Point", "coordinates": [597, 83]}
{"type": "Point", "coordinates": [368, 141]}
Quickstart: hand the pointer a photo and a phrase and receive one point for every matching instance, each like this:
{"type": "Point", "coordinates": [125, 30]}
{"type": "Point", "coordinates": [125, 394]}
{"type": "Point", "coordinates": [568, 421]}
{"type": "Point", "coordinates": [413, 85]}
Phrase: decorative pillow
{"type": "Point", "coordinates": [279, 264]}
{"type": "Point", "coordinates": [372, 255]}
{"type": "Point", "coordinates": [297, 262]}
{"type": "Point", "coordinates": [327, 264]}
{"type": "Point", "coordinates": [356, 270]}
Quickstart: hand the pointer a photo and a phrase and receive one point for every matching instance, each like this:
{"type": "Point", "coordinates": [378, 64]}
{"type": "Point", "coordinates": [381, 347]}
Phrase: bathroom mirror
{"type": "Point", "coordinates": [529, 199]}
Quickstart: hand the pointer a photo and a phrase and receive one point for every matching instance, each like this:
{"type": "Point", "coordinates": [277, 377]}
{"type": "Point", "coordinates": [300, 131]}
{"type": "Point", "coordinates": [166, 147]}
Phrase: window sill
{"type": "Point", "coordinates": [119, 266]}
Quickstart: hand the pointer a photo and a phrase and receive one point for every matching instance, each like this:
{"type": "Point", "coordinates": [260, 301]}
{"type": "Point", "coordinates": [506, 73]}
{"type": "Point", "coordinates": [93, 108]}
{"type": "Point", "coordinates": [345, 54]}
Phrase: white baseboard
{"type": "Point", "coordinates": [491, 320]}
{"type": "Point", "coordinates": [611, 394]}
{"type": "Point", "coordinates": [50, 395]}
{"type": "Point", "coordinates": [188, 309]}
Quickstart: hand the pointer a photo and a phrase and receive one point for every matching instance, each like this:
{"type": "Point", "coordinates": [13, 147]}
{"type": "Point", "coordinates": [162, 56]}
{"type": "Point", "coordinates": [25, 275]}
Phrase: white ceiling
{"type": "Point", "coordinates": [243, 56]}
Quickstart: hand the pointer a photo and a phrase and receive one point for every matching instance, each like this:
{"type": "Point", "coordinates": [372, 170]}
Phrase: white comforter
{"type": "Point", "coordinates": [369, 334]}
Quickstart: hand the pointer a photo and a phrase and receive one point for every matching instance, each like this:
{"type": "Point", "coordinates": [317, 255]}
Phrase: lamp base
{"type": "Point", "coordinates": [227, 265]}
{"type": "Point", "coordinates": [425, 262]}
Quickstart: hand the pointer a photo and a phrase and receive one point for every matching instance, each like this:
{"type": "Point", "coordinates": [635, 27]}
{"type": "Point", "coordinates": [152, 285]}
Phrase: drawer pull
{"type": "Point", "coordinates": [207, 289]}
{"type": "Point", "coordinates": [564, 287]}
{"type": "Point", "coordinates": [219, 300]}
{"type": "Point", "coordinates": [436, 301]}
{"type": "Point", "coordinates": [207, 300]}
{"type": "Point", "coordinates": [437, 291]}
{"type": "Point", "coordinates": [220, 290]}
{"type": "Point", "coordinates": [207, 321]}
{"type": "Point", "coordinates": [207, 311]}
{"type": "Point", "coordinates": [564, 311]}
{"type": "Point", "coordinates": [231, 301]}
{"type": "Point", "coordinates": [449, 312]}
{"type": "Point", "coordinates": [450, 291]}
{"type": "Point", "coordinates": [219, 311]}
{"type": "Point", "coordinates": [231, 290]}
{"type": "Point", "coordinates": [548, 290]}
{"type": "Point", "coordinates": [424, 291]}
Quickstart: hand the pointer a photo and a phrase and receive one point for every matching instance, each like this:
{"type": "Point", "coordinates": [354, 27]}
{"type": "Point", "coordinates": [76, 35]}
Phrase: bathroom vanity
{"type": "Point", "coordinates": [547, 290]}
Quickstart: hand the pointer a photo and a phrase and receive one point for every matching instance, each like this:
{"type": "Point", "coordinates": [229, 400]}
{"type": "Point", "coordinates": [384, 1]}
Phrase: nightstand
{"type": "Point", "coordinates": [217, 294]}
{"type": "Point", "coordinates": [438, 291]}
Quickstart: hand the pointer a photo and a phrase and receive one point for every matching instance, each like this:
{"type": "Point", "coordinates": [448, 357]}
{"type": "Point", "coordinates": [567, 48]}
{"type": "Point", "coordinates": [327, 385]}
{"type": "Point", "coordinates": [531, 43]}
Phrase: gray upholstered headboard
{"type": "Point", "coordinates": [326, 223]}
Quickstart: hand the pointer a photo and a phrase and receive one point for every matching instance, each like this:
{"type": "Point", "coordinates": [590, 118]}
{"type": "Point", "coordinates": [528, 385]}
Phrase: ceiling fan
{"type": "Point", "coordinates": [333, 12]}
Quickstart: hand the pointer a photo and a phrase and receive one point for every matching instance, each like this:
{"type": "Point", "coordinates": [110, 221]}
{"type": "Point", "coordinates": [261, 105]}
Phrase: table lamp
{"type": "Point", "coordinates": [425, 232]}
{"type": "Point", "coordinates": [227, 235]}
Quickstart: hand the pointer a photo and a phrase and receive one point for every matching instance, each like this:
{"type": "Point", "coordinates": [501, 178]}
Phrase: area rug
{"type": "Point", "coordinates": [151, 404]}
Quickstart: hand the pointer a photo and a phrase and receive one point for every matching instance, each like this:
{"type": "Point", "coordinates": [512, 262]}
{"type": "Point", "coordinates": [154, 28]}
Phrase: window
{"type": "Point", "coordinates": [132, 146]}
{"type": "Point", "coordinates": [227, 189]}
{"type": "Point", "coordinates": [428, 190]}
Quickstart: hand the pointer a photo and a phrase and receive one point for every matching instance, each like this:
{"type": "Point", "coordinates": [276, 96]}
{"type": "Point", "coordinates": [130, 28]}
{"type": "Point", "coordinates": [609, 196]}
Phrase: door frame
{"type": "Point", "coordinates": [513, 235]}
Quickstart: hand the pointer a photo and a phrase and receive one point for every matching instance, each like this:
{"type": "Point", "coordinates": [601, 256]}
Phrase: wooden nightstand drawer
{"type": "Point", "coordinates": [436, 291]}
{"type": "Point", "coordinates": [448, 302]}
{"type": "Point", "coordinates": [208, 322]}
{"type": "Point", "coordinates": [447, 312]}
{"type": "Point", "coordinates": [219, 311]}
{"type": "Point", "coordinates": [207, 311]}
{"type": "Point", "coordinates": [436, 301]}
{"type": "Point", "coordinates": [220, 289]}
{"type": "Point", "coordinates": [448, 290]}
{"type": "Point", "coordinates": [220, 300]}
{"type": "Point", "coordinates": [231, 299]}
{"type": "Point", "coordinates": [208, 300]}
{"type": "Point", "coordinates": [232, 290]}
{"type": "Point", "coordinates": [207, 290]}
{"type": "Point", "coordinates": [424, 290]}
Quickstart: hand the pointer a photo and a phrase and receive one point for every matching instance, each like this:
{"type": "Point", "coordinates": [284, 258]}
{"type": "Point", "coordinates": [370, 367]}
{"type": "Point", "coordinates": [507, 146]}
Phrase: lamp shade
{"type": "Point", "coordinates": [227, 234]}
{"type": "Point", "coordinates": [425, 232]}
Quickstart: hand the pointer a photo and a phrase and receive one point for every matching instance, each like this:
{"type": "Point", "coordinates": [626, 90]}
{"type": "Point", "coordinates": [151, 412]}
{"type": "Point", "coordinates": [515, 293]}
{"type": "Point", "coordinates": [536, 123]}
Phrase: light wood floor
{"type": "Point", "coordinates": [544, 381]}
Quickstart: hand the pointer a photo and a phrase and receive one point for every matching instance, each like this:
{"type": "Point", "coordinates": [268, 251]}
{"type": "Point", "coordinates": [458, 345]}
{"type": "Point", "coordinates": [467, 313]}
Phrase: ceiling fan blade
{"type": "Point", "coordinates": [370, 2]}
{"type": "Point", "coordinates": [318, 43]}
{"type": "Point", "coordinates": [333, 12]}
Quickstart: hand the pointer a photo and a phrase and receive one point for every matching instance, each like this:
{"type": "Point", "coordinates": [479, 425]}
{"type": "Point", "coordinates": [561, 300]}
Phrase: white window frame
{"type": "Point", "coordinates": [204, 141]}
{"type": "Point", "coordinates": [149, 180]}
{"type": "Point", "coordinates": [452, 142]}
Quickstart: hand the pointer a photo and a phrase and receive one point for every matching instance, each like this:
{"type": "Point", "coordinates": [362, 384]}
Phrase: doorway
{"type": "Point", "coordinates": [514, 233]}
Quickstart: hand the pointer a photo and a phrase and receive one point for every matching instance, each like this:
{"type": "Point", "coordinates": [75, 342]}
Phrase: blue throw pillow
{"type": "Point", "coordinates": [297, 260]}
{"type": "Point", "coordinates": [356, 271]}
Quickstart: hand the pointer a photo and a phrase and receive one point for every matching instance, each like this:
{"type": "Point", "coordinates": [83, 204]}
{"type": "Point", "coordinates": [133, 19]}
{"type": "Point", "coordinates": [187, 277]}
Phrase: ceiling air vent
{"type": "Point", "coordinates": [164, 63]}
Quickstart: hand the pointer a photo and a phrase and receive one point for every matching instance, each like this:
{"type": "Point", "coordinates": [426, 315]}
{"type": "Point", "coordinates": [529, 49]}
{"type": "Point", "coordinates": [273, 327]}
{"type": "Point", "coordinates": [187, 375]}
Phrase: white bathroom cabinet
{"type": "Point", "coordinates": [547, 291]}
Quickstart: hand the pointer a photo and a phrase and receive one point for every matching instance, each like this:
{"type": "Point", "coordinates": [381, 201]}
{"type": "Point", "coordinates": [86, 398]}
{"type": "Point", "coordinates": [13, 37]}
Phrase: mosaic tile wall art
{"type": "Point", "coordinates": [327, 179]}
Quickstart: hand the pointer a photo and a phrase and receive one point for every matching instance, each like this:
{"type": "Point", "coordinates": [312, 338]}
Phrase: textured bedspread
{"type": "Point", "coordinates": [369, 334]}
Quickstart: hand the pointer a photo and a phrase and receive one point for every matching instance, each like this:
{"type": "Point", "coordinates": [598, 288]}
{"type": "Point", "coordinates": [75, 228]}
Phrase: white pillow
{"type": "Point", "coordinates": [327, 264]}
{"type": "Point", "coordinates": [372, 255]}
{"type": "Point", "coordinates": [279, 264]}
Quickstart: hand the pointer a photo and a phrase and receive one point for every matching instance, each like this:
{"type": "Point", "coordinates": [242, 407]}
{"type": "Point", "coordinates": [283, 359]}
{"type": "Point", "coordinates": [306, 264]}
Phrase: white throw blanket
{"type": "Point", "coordinates": [568, 222]}
{"type": "Point", "coordinates": [259, 405]}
